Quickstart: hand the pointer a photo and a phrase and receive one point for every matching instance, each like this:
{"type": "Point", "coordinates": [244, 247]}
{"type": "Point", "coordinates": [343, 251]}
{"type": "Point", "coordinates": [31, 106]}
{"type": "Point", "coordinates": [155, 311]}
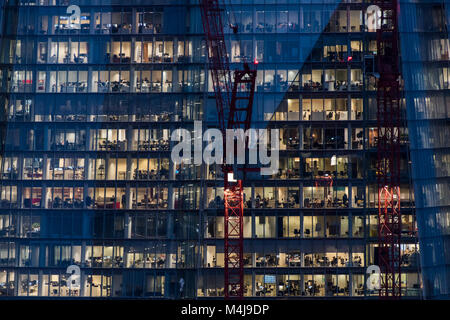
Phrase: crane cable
{"type": "Point", "coordinates": [234, 27]}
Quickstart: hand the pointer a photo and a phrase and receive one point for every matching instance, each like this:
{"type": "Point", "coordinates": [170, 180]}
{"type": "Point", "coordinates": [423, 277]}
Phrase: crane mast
{"type": "Point", "coordinates": [234, 102]}
{"type": "Point", "coordinates": [388, 150]}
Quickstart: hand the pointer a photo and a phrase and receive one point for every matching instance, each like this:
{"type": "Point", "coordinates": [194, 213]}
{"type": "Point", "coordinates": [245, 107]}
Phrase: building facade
{"type": "Point", "coordinates": [89, 104]}
{"type": "Point", "coordinates": [427, 99]}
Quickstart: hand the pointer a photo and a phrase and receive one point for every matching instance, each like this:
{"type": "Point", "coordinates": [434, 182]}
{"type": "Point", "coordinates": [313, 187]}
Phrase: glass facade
{"type": "Point", "coordinates": [89, 106]}
{"type": "Point", "coordinates": [427, 98]}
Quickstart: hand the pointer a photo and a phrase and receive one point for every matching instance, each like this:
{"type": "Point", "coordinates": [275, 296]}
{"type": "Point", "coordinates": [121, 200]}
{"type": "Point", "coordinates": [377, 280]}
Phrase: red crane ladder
{"type": "Point", "coordinates": [239, 106]}
{"type": "Point", "coordinates": [388, 150]}
{"type": "Point", "coordinates": [239, 118]}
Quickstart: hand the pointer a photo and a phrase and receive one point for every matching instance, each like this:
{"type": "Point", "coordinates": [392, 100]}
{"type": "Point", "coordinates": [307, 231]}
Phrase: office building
{"type": "Point", "coordinates": [89, 106]}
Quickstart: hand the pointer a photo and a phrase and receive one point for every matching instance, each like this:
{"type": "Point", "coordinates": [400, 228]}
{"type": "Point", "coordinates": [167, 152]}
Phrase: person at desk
{"type": "Point", "coordinates": [310, 288]}
{"type": "Point", "coordinates": [329, 200]}
{"type": "Point", "coordinates": [316, 203]}
{"type": "Point", "coordinates": [345, 200]}
{"type": "Point", "coordinates": [145, 200]}
{"type": "Point", "coordinates": [259, 289]}
{"type": "Point", "coordinates": [296, 197]}
{"type": "Point", "coordinates": [218, 201]}
{"type": "Point", "coordinates": [124, 201]}
{"type": "Point", "coordinates": [334, 261]}
{"type": "Point", "coordinates": [181, 282]}
{"type": "Point", "coordinates": [258, 200]}
{"type": "Point", "coordinates": [53, 59]}
{"type": "Point", "coordinates": [291, 201]}
{"type": "Point", "coordinates": [283, 288]}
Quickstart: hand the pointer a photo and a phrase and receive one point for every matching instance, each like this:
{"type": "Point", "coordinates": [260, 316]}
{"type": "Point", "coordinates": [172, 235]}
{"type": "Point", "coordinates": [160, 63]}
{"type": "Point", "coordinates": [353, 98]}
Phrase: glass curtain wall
{"type": "Point", "coordinates": [425, 44]}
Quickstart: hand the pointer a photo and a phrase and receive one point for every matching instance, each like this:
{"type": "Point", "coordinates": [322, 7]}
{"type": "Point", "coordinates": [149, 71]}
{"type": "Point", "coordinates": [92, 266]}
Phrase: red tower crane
{"type": "Point", "coordinates": [234, 101]}
{"type": "Point", "coordinates": [388, 150]}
